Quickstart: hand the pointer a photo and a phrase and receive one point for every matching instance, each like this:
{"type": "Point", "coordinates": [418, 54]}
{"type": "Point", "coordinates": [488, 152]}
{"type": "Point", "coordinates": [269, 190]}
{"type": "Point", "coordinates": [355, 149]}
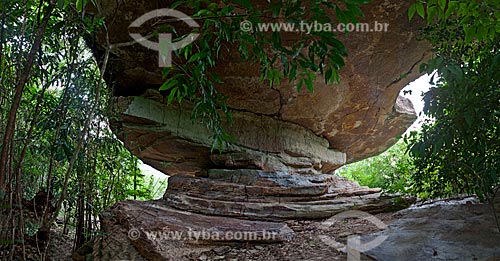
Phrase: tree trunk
{"type": "Point", "coordinates": [46, 225]}
{"type": "Point", "coordinates": [5, 168]}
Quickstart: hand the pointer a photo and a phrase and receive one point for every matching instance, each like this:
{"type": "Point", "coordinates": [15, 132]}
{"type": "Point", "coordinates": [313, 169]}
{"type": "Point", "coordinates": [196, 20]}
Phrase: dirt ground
{"type": "Point", "coordinates": [308, 243]}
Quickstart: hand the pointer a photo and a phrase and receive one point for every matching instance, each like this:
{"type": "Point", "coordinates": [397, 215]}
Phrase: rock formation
{"type": "Point", "coordinates": [287, 143]}
{"type": "Point", "coordinates": [341, 123]}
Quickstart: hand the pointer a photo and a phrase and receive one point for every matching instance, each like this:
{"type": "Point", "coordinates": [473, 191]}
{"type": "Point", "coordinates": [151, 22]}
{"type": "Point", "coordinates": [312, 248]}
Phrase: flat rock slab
{"type": "Point", "coordinates": [149, 229]}
{"type": "Point", "coordinates": [445, 231]}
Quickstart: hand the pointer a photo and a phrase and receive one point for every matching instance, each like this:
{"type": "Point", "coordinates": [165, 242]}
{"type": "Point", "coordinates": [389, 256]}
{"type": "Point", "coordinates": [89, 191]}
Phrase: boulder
{"type": "Point", "coordinates": [279, 128]}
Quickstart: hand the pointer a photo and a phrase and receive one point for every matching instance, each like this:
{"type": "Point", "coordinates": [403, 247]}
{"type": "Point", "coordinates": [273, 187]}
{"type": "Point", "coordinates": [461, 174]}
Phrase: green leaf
{"type": "Point", "coordinates": [420, 9]}
{"type": "Point", "coordinates": [470, 33]}
{"type": "Point", "coordinates": [176, 4]}
{"type": "Point", "coordinates": [468, 118]}
{"type": "Point", "coordinates": [328, 75]}
{"type": "Point", "coordinates": [439, 144]}
{"type": "Point", "coordinates": [196, 57]}
{"type": "Point", "coordinates": [431, 12]}
{"type": "Point", "coordinates": [341, 16]}
{"type": "Point", "coordinates": [61, 4]}
{"type": "Point", "coordinates": [293, 73]}
{"type": "Point", "coordinates": [442, 4]}
{"type": "Point", "coordinates": [168, 85]}
{"type": "Point", "coordinates": [456, 71]}
{"type": "Point", "coordinates": [171, 96]}
{"type": "Point", "coordinates": [355, 10]}
{"type": "Point", "coordinates": [216, 77]}
{"type": "Point", "coordinates": [300, 84]}
{"type": "Point", "coordinates": [412, 11]}
{"type": "Point", "coordinates": [452, 7]}
{"type": "Point", "coordinates": [309, 84]}
{"type": "Point", "coordinates": [275, 7]}
{"type": "Point", "coordinates": [80, 4]}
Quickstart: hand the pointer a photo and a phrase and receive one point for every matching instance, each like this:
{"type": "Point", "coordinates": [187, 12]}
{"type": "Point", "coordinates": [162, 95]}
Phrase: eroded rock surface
{"type": "Point", "coordinates": [346, 122]}
{"type": "Point", "coordinates": [222, 207]}
{"type": "Point", "coordinates": [448, 230]}
{"type": "Point", "coordinates": [158, 133]}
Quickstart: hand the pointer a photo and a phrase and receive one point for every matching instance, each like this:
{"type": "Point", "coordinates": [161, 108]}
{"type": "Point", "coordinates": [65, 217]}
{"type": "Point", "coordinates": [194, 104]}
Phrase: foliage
{"type": "Point", "coordinates": [392, 170]}
{"type": "Point", "coordinates": [61, 142]}
{"type": "Point", "coordinates": [317, 52]}
{"type": "Point", "coordinates": [458, 150]}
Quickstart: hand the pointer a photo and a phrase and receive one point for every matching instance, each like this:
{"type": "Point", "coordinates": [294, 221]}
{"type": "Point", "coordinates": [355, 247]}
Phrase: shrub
{"type": "Point", "coordinates": [391, 170]}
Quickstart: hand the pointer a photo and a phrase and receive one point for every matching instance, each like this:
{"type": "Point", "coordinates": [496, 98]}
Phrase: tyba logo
{"type": "Point", "coordinates": [164, 46]}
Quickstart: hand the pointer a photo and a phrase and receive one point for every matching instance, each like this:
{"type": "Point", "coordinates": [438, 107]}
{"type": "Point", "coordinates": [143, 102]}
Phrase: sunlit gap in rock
{"type": "Point", "coordinates": [414, 92]}
{"type": "Point", "coordinates": [158, 176]}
